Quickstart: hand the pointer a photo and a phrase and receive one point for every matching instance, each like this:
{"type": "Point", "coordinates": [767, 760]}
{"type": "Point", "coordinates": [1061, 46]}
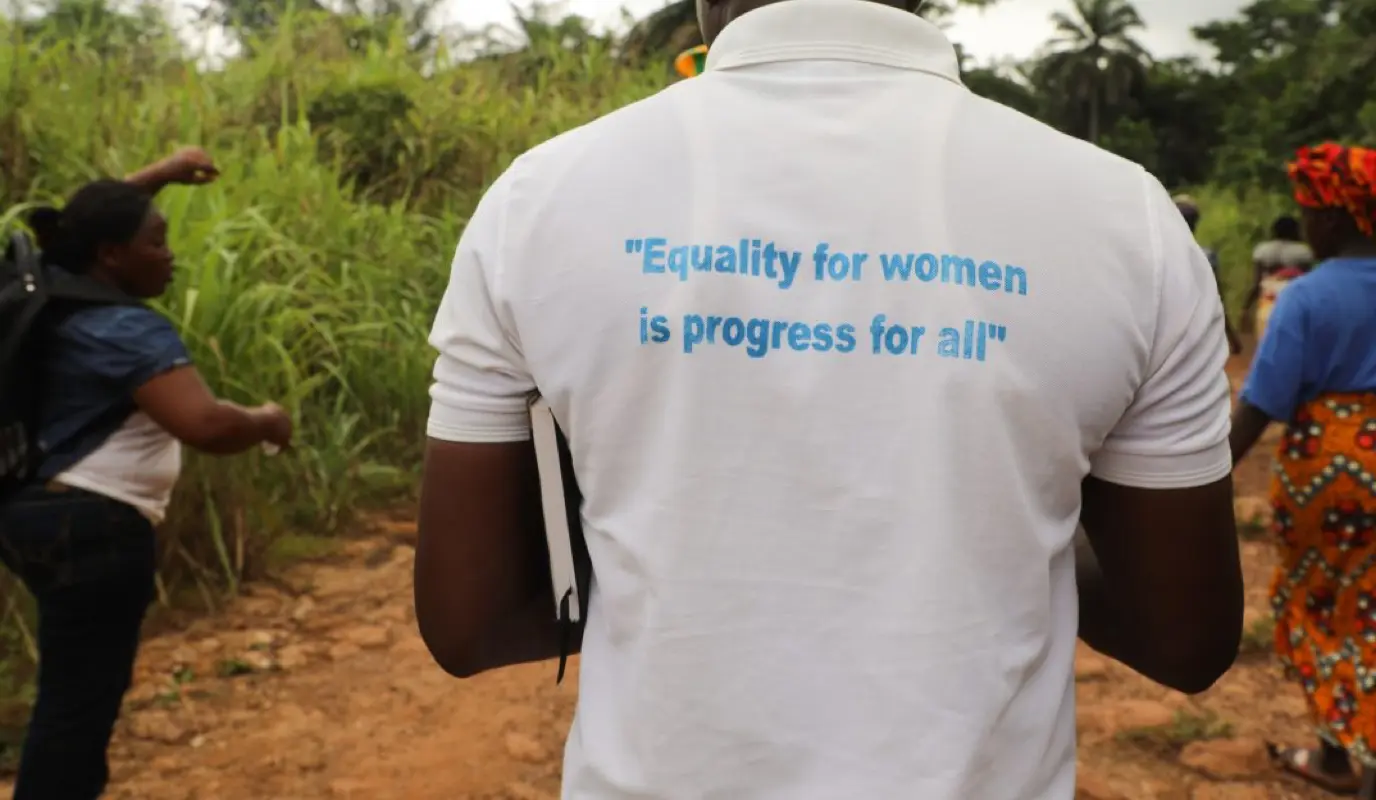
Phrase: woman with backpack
{"type": "Point", "coordinates": [119, 396]}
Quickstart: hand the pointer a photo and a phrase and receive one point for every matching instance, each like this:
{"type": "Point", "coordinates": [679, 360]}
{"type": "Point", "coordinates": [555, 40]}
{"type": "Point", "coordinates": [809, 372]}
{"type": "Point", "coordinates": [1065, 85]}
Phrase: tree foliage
{"type": "Point", "coordinates": [1281, 73]}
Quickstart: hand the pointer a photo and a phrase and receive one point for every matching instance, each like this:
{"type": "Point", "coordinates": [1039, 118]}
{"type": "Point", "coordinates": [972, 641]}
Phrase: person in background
{"type": "Point", "coordinates": [830, 490]}
{"type": "Point", "coordinates": [1275, 262]}
{"type": "Point", "coordinates": [1189, 209]}
{"type": "Point", "coordinates": [1315, 372]}
{"type": "Point", "coordinates": [120, 396]}
{"type": "Point", "coordinates": [691, 62]}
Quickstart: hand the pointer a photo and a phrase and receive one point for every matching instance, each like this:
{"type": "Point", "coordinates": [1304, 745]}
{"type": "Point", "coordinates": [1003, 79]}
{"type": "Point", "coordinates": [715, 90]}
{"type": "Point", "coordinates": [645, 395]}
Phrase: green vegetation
{"type": "Point", "coordinates": [1187, 726]}
{"type": "Point", "coordinates": [1259, 639]}
{"type": "Point", "coordinates": [311, 270]}
{"type": "Point", "coordinates": [354, 144]}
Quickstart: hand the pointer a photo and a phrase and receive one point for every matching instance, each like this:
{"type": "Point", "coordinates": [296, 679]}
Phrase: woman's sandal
{"type": "Point", "coordinates": [1303, 764]}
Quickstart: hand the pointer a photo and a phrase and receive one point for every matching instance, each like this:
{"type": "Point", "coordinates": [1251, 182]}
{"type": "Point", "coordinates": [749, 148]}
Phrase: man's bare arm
{"type": "Point", "coordinates": [482, 588]}
{"type": "Point", "coordinates": [1166, 597]}
{"type": "Point", "coordinates": [1249, 423]}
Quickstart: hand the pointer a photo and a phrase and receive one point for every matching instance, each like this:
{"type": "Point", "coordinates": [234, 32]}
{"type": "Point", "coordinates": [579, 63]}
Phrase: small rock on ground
{"type": "Point", "coordinates": [1125, 715]}
{"type": "Point", "coordinates": [1230, 791]}
{"type": "Point", "coordinates": [1092, 786]}
{"type": "Point", "coordinates": [523, 748]}
{"type": "Point", "coordinates": [155, 726]}
{"type": "Point", "coordinates": [1224, 759]}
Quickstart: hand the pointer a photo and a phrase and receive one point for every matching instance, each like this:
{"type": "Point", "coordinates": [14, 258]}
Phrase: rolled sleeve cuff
{"type": "Point", "coordinates": [449, 423]}
{"type": "Point", "coordinates": [1143, 471]}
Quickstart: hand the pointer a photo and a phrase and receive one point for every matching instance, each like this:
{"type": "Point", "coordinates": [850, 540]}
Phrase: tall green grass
{"type": "Point", "coordinates": [309, 272]}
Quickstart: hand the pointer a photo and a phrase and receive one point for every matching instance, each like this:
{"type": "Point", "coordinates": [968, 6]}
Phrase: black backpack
{"type": "Point", "coordinates": [33, 296]}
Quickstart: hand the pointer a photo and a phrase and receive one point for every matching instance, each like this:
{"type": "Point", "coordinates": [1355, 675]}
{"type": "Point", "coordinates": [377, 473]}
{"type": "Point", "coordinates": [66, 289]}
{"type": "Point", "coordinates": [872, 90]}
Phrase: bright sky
{"type": "Point", "coordinates": [1012, 28]}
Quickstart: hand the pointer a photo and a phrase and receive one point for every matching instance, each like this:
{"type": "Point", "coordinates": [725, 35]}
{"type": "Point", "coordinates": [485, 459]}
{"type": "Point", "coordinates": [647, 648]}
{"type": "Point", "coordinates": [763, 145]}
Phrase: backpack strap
{"type": "Point", "coordinates": [21, 251]}
{"type": "Point", "coordinates": [28, 270]}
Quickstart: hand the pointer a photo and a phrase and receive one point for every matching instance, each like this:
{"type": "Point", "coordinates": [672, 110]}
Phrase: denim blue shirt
{"type": "Point", "coordinates": [96, 358]}
{"type": "Point", "coordinates": [1321, 338]}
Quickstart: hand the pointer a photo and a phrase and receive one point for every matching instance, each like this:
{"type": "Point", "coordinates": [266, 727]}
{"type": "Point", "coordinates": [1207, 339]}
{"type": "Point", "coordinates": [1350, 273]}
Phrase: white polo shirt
{"type": "Point", "coordinates": [834, 342]}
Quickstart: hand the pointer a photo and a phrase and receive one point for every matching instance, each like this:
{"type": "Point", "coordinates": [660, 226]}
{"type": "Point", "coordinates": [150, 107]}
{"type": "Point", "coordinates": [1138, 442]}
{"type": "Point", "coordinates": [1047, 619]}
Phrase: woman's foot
{"type": "Point", "coordinates": [1326, 767]}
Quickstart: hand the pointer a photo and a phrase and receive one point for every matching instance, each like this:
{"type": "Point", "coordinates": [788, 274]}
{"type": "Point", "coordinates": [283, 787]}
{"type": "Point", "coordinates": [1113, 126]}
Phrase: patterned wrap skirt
{"type": "Point", "coordinates": [1324, 592]}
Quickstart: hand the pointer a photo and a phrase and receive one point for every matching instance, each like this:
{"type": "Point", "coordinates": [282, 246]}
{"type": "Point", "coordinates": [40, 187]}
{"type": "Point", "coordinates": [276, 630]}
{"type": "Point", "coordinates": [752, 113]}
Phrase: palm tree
{"type": "Point", "coordinates": [1094, 58]}
{"type": "Point", "coordinates": [373, 20]}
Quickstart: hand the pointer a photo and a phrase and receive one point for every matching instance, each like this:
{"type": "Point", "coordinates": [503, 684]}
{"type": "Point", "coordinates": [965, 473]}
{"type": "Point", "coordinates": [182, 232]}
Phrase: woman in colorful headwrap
{"type": "Point", "coordinates": [1315, 371]}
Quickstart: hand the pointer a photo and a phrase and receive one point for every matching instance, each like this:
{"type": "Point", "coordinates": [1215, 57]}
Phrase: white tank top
{"type": "Point", "coordinates": [139, 464]}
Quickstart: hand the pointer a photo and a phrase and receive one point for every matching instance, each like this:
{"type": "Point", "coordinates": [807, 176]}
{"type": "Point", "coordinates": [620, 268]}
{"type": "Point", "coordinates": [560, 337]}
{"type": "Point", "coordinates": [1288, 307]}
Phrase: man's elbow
{"type": "Point", "coordinates": [1194, 664]}
{"type": "Point", "coordinates": [453, 655]}
{"type": "Point", "coordinates": [1196, 676]}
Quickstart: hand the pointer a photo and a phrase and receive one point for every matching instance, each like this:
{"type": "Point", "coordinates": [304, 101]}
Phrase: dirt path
{"type": "Point", "coordinates": [316, 685]}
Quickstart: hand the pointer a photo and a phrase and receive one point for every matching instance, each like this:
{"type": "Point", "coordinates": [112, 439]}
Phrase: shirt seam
{"type": "Point", "coordinates": [1199, 476]}
{"type": "Point", "coordinates": [1159, 279]}
{"type": "Point", "coordinates": [464, 433]}
{"type": "Point", "coordinates": [1157, 269]}
{"type": "Point", "coordinates": [1134, 452]}
{"type": "Point", "coordinates": [498, 271]}
{"type": "Point", "coordinates": [818, 51]}
{"type": "Point", "coordinates": [502, 187]}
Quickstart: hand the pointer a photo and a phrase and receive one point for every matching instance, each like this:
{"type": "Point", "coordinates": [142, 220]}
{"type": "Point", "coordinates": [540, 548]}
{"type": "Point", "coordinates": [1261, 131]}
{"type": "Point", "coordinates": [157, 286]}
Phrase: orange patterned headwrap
{"type": "Point", "coordinates": [1332, 176]}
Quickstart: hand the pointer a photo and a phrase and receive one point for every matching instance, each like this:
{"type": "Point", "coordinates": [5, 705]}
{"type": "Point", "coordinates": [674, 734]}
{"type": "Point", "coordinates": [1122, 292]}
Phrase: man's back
{"type": "Point", "coordinates": [835, 342]}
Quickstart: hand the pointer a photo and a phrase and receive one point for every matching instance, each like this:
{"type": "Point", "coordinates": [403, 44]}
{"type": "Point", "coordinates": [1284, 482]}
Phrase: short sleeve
{"type": "Point", "coordinates": [1174, 434]}
{"type": "Point", "coordinates": [1275, 384]}
{"type": "Point", "coordinates": [124, 346]}
{"type": "Point", "coordinates": [481, 384]}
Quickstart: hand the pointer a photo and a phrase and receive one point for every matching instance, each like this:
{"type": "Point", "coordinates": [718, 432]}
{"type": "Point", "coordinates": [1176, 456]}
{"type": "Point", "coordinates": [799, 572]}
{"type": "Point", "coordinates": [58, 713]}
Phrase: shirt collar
{"type": "Point", "coordinates": [842, 30]}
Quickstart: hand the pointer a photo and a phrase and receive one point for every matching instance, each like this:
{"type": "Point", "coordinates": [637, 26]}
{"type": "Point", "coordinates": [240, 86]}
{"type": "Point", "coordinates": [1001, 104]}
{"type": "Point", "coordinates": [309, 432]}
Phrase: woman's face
{"type": "Point", "coordinates": [143, 266]}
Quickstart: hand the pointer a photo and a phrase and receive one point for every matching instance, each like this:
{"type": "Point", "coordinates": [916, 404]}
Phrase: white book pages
{"type": "Point", "coordinates": [552, 500]}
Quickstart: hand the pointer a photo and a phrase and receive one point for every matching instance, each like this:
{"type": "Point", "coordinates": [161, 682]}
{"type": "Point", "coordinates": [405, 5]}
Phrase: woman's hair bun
{"type": "Point", "coordinates": [46, 223]}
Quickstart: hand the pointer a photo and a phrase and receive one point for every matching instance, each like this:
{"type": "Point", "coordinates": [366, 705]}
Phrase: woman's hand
{"type": "Point", "coordinates": [190, 165]}
{"type": "Point", "coordinates": [274, 423]}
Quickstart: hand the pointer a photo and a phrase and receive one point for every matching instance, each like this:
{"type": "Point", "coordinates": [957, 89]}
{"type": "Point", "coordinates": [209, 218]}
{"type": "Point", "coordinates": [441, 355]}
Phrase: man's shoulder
{"type": "Point", "coordinates": [1025, 135]}
{"type": "Point", "coordinates": [618, 136]}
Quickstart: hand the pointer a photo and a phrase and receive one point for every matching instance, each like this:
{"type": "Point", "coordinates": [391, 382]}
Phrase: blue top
{"type": "Point", "coordinates": [1321, 338]}
{"type": "Point", "coordinates": [97, 357]}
